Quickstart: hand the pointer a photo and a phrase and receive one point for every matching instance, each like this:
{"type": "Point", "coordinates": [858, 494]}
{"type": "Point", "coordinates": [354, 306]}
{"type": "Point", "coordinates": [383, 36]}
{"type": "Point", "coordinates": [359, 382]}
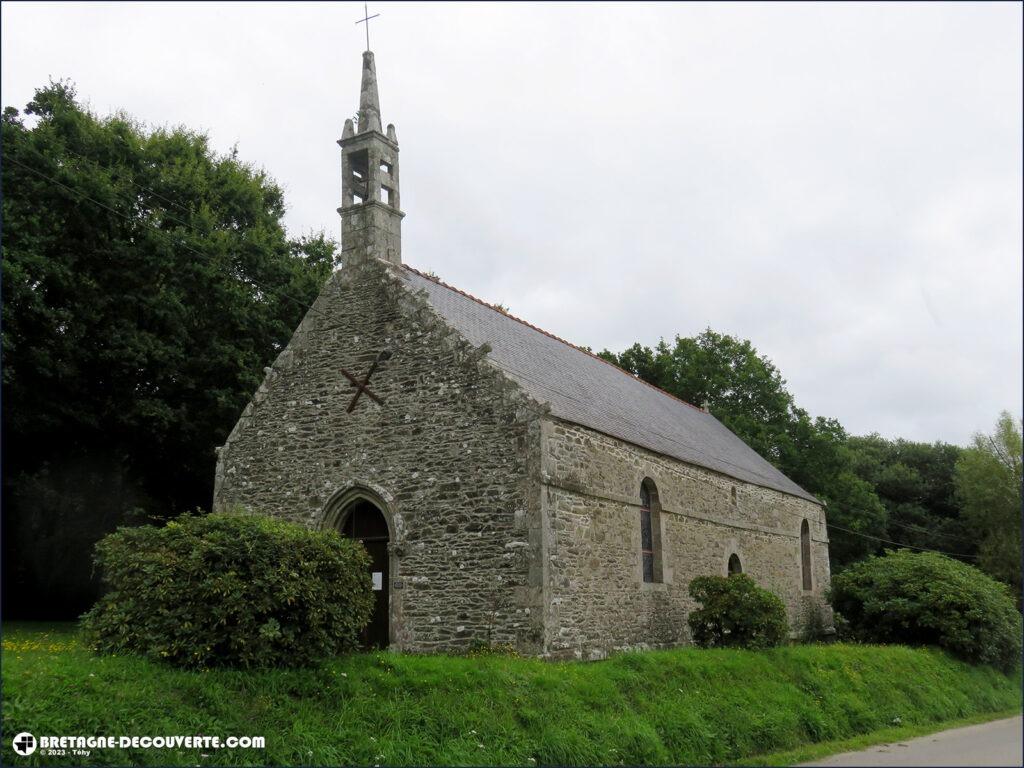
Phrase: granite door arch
{"type": "Point", "coordinates": [361, 515]}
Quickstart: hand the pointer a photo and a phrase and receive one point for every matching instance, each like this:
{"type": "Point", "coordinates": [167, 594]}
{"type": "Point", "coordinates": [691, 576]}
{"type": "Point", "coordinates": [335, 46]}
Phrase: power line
{"type": "Point", "coordinates": [832, 526]}
{"type": "Point", "coordinates": [82, 195]}
{"type": "Point", "coordinates": [918, 529]}
{"type": "Point", "coordinates": [153, 192]}
{"type": "Point", "coordinates": [114, 211]}
{"type": "Point", "coordinates": [302, 305]}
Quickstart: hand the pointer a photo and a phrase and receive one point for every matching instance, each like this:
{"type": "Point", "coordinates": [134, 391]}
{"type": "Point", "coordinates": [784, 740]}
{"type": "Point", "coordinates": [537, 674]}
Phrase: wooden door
{"type": "Point", "coordinates": [375, 635]}
{"type": "Point", "coordinates": [366, 523]}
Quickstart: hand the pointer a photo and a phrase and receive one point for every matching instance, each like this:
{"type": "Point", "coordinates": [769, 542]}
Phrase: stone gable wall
{"type": "Point", "coordinates": [597, 601]}
{"type": "Point", "coordinates": [454, 454]}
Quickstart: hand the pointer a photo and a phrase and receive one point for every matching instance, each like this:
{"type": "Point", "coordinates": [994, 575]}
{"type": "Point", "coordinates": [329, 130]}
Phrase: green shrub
{"type": "Point", "coordinates": [230, 590]}
{"type": "Point", "coordinates": [924, 598]}
{"type": "Point", "coordinates": [736, 613]}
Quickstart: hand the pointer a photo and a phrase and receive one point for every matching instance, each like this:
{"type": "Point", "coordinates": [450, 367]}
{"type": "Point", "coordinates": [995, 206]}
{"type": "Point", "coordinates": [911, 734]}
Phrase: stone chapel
{"type": "Point", "coordinates": [510, 487]}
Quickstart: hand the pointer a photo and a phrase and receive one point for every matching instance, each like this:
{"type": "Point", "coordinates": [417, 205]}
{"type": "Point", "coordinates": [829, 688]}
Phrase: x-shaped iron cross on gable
{"type": "Point", "coordinates": [361, 385]}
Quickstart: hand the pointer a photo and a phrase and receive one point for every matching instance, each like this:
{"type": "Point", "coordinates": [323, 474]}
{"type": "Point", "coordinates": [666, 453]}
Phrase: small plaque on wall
{"type": "Point", "coordinates": [397, 584]}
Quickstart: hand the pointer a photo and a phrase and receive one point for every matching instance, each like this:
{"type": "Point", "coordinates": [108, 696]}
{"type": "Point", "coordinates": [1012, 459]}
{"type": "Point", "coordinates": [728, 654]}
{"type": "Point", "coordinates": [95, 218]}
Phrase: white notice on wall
{"type": "Point", "coordinates": [378, 581]}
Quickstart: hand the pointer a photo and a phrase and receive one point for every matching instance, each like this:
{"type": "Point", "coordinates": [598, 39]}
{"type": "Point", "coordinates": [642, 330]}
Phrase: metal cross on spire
{"type": "Point", "coordinates": [366, 20]}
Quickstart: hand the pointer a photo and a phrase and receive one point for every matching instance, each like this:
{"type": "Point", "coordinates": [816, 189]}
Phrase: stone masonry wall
{"type": "Point", "coordinates": [453, 452]}
{"type": "Point", "coordinates": [597, 600]}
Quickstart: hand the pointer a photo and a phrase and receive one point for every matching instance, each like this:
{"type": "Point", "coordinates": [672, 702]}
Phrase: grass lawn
{"type": "Point", "coordinates": [681, 706]}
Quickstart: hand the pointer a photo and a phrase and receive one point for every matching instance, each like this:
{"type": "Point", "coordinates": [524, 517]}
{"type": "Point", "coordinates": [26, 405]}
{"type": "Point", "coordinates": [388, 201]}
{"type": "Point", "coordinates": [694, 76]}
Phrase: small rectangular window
{"type": "Point", "coordinates": [385, 195]}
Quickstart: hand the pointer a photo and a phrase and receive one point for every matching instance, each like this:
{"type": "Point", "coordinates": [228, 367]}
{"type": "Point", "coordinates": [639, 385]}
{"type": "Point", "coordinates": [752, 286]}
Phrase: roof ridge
{"type": "Point", "coordinates": [623, 371]}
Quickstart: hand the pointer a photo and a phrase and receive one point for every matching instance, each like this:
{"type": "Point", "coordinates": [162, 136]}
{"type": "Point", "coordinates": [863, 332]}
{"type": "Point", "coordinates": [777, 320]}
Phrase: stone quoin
{"type": "Point", "coordinates": [512, 489]}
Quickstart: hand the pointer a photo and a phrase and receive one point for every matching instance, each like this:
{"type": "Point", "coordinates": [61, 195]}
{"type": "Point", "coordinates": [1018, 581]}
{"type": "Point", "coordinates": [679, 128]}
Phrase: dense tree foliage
{"type": "Point", "coordinates": [988, 483]}
{"type": "Point", "coordinates": [146, 283]}
{"type": "Point", "coordinates": [915, 483]}
{"type": "Point", "coordinates": [924, 598]}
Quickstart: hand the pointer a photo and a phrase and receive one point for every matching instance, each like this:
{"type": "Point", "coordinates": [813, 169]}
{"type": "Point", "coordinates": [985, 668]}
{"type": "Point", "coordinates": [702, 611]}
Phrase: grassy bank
{"type": "Point", "coordinates": [682, 706]}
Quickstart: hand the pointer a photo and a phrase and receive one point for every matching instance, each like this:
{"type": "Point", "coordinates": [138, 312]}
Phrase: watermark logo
{"type": "Point", "coordinates": [24, 744]}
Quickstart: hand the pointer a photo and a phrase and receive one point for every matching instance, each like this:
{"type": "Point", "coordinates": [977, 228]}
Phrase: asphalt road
{"type": "Point", "coordinates": [997, 743]}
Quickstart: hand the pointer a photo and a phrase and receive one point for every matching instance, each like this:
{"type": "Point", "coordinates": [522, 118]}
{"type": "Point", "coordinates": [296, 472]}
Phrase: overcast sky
{"type": "Point", "coordinates": [840, 184]}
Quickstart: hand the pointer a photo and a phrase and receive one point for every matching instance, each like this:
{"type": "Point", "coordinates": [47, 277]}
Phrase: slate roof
{"type": "Point", "coordinates": [586, 390]}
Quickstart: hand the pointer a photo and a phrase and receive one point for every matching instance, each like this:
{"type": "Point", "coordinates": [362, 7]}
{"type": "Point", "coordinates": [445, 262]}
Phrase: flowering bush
{"type": "Point", "coordinates": [230, 590]}
{"type": "Point", "coordinates": [736, 613]}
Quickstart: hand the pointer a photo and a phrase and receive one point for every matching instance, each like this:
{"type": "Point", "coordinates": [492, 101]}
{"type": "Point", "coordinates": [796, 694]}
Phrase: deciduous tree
{"type": "Point", "coordinates": [147, 281]}
{"type": "Point", "coordinates": [988, 483]}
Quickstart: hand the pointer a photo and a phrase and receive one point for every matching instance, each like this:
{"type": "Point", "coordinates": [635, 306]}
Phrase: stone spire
{"type": "Point", "coordinates": [371, 217]}
{"type": "Point", "coordinates": [369, 101]}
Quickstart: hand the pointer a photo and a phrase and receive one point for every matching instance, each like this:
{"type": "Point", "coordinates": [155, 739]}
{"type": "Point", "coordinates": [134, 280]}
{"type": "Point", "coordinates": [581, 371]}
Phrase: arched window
{"type": "Point", "coordinates": [805, 553]}
{"type": "Point", "coordinates": [650, 531]}
{"type": "Point", "coordinates": [734, 564]}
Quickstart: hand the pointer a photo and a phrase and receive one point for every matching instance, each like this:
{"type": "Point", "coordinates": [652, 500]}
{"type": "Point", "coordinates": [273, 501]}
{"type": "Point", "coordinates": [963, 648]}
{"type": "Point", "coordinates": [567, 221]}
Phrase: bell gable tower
{"type": "Point", "coordinates": [371, 216]}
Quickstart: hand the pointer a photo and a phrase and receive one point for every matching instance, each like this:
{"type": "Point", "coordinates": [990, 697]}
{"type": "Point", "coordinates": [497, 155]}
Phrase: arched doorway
{"type": "Point", "coordinates": [362, 520]}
